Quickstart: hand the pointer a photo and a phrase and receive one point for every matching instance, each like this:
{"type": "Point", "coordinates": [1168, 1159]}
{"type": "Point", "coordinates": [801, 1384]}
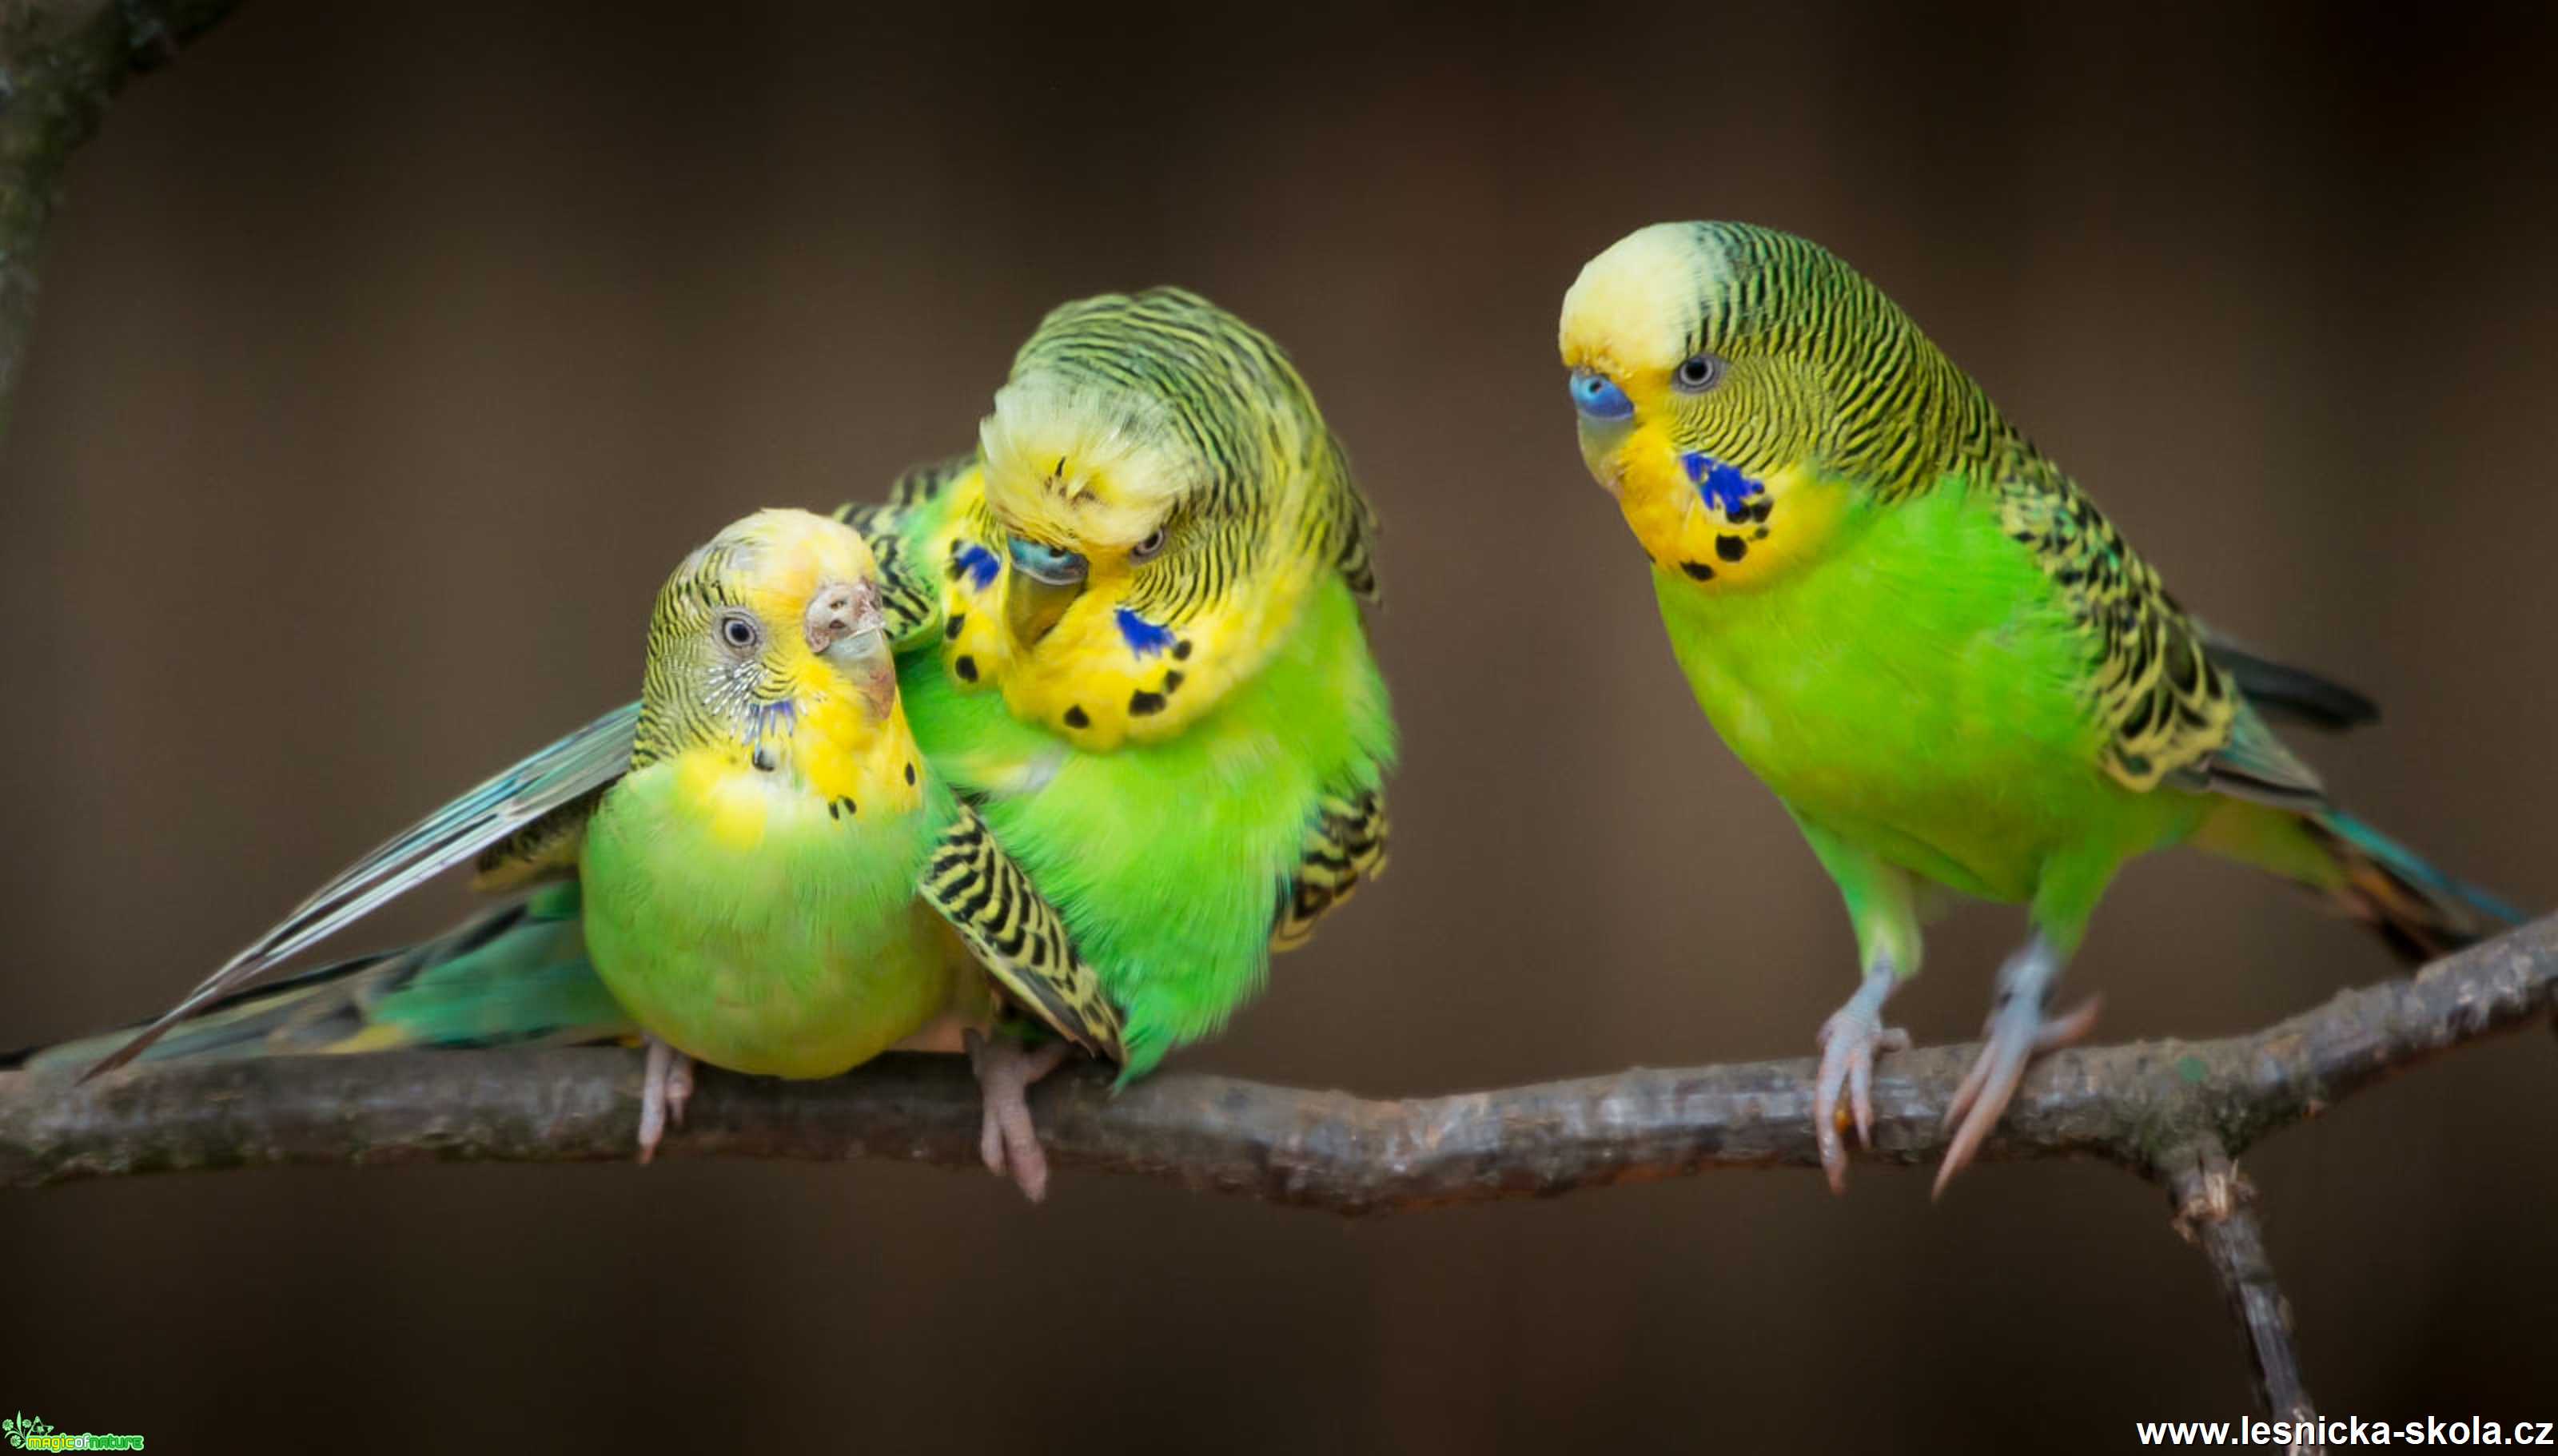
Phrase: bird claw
{"type": "Point", "coordinates": [1850, 1039]}
{"type": "Point", "coordinates": [2018, 1032]}
{"type": "Point", "coordinates": [1006, 1138]}
{"type": "Point", "coordinates": [665, 1088]}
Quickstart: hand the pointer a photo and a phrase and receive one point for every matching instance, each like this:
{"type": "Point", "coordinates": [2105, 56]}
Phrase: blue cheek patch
{"type": "Point", "coordinates": [978, 564]}
{"type": "Point", "coordinates": [772, 720]}
{"type": "Point", "coordinates": [1144, 637]}
{"type": "Point", "coordinates": [1723, 486]}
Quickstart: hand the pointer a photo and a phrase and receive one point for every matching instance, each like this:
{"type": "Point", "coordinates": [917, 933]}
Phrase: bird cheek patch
{"type": "Point", "coordinates": [1149, 693]}
{"type": "Point", "coordinates": [973, 640]}
{"type": "Point", "coordinates": [1104, 678]}
{"type": "Point", "coordinates": [974, 564]}
{"type": "Point", "coordinates": [1742, 525]}
{"type": "Point", "coordinates": [1732, 540]}
{"type": "Point", "coordinates": [1725, 487]}
{"type": "Point", "coordinates": [1144, 639]}
{"type": "Point", "coordinates": [766, 722]}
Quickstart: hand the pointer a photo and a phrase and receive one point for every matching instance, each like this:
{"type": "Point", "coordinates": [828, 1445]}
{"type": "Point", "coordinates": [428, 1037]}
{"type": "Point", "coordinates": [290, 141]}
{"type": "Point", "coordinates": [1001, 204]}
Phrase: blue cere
{"type": "Point", "coordinates": [1144, 637]}
{"type": "Point", "coordinates": [1053, 564]}
{"type": "Point", "coordinates": [1721, 485]}
{"type": "Point", "coordinates": [978, 563]}
{"type": "Point", "coordinates": [1596, 395]}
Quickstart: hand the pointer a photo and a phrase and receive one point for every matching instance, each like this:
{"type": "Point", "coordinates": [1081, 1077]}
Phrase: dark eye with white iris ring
{"type": "Point", "coordinates": [1698, 373]}
{"type": "Point", "coordinates": [1147, 549]}
{"type": "Point", "coordinates": [737, 631]}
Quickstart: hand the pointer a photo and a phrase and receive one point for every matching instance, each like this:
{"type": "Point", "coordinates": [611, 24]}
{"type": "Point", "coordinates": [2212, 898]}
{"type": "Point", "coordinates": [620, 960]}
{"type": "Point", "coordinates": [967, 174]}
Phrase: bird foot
{"type": "Point", "coordinates": [2018, 1032]}
{"type": "Point", "coordinates": [1849, 1041]}
{"type": "Point", "coordinates": [664, 1089]}
{"type": "Point", "coordinates": [1009, 1144]}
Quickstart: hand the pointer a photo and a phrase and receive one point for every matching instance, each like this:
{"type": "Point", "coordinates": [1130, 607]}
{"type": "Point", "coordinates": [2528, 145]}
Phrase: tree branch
{"type": "Point", "coordinates": [61, 60]}
{"type": "Point", "coordinates": [2137, 1106]}
{"type": "Point", "coordinates": [2215, 1211]}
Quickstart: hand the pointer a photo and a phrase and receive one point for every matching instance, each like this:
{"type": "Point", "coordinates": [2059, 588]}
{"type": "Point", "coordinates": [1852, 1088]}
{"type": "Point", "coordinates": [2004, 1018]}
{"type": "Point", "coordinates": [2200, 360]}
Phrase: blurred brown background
{"type": "Point", "coordinates": [391, 354]}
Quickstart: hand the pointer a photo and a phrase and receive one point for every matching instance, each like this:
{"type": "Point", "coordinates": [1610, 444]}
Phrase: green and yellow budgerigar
{"type": "Point", "coordinates": [777, 885]}
{"type": "Point", "coordinates": [1128, 634]}
{"type": "Point", "coordinates": [1926, 640]}
{"type": "Point", "coordinates": [1151, 671]}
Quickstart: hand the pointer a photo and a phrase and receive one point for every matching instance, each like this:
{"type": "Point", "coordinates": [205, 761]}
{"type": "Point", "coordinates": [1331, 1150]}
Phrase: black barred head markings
{"type": "Point", "coordinates": [732, 660]}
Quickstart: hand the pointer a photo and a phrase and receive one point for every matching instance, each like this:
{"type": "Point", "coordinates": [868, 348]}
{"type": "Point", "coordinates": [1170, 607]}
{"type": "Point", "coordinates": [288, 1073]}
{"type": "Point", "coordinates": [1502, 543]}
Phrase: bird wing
{"type": "Point", "coordinates": [1018, 937]}
{"type": "Point", "coordinates": [2170, 710]}
{"type": "Point", "coordinates": [2287, 694]}
{"type": "Point", "coordinates": [564, 779]}
{"type": "Point", "coordinates": [514, 976]}
{"type": "Point", "coordinates": [909, 598]}
{"type": "Point", "coordinates": [1345, 847]}
{"type": "Point", "coordinates": [1349, 523]}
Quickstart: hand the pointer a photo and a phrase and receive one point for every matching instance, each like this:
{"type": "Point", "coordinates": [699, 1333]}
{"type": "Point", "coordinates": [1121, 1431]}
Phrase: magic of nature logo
{"type": "Point", "coordinates": [27, 1433]}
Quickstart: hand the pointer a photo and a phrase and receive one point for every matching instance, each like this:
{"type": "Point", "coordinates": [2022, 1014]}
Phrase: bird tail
{"type": "Point", "coordinates": [2419, 910]}
{"type": "Point", "coordinates": [515, 976]}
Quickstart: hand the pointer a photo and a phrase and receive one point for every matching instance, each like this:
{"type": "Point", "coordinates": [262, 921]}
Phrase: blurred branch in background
{"type": "Point", "coordinates": [2174, 1112]}
{"type": "Point", "coordinates": [60, 62]}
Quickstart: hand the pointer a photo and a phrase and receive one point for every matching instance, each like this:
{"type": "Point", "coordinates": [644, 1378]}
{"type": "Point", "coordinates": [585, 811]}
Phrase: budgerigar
{"type": "Point", "coordinates": [778, 884]}
{"type": "Point", "coordinates": [1921, 634]}
{"type": "Point", "coordinates": [1152, 673]}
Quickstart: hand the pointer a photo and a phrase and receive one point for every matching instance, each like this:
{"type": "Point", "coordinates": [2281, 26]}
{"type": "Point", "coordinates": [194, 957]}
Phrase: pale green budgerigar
{"type": "Point", "coordinates": [778, 884]}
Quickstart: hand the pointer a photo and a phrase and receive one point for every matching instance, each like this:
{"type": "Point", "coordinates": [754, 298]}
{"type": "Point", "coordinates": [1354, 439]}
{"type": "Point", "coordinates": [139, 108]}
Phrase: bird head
{"type": "Point", "coordinates": [767, 647]}
{"type": "Point", "coordinates": [1740, 389]}
{"type": "Point", "coordinates": [1160, 491]}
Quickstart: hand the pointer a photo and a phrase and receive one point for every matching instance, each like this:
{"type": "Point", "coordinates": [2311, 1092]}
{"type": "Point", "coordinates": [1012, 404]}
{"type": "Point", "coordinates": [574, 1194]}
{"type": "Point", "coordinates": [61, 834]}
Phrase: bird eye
{"type": "Point", "coordinates": [1147, 549]}
{"type": "Point", "coordinates": [1597, 396]}
{"type": "Point", "coordinates": [1698, 373]}
{"type": "Point", "coordinates": [1042, 562]}
{"type": "Point", "coordinates": [739, 631]}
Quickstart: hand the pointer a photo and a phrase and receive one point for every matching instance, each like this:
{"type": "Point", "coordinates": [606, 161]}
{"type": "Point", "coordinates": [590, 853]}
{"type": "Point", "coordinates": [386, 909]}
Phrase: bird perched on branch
{"type": "Point", "coordinates": [1128, 635]}
{"type": "Point", "coordinates": [1926, 639]}
{"type": "Point", "coordinates": [1153, 675]}
{"type": "Point", "coordinates": [777, 885]}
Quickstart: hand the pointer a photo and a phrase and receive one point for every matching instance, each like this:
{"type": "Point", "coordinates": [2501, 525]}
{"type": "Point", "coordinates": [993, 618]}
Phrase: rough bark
{"type": "Point", "coordinates": [2136, 1105]}
{"type": "Point", "coordinates": [2216, 1211]}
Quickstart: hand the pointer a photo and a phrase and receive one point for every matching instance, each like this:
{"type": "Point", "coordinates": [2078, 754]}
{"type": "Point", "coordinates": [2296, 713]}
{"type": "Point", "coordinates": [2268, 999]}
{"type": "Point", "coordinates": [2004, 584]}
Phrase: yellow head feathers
{"type": "Point", "coordinates": [1636, 308]}
{"type": "Point", "coordinates": [778, 557]}
{"type": "Point", "coordinates": [1083, 463]}
{"type": "Point", "coordinates": [767, 635]}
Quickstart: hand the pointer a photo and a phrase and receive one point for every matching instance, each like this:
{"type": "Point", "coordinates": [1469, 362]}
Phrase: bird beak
{"type": "Point", "coordinates": [1031, 606]}
{"type": "Point", "coordinates": [1604, 452]}
{"type": "Point", "coordinates": [846, 628]}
